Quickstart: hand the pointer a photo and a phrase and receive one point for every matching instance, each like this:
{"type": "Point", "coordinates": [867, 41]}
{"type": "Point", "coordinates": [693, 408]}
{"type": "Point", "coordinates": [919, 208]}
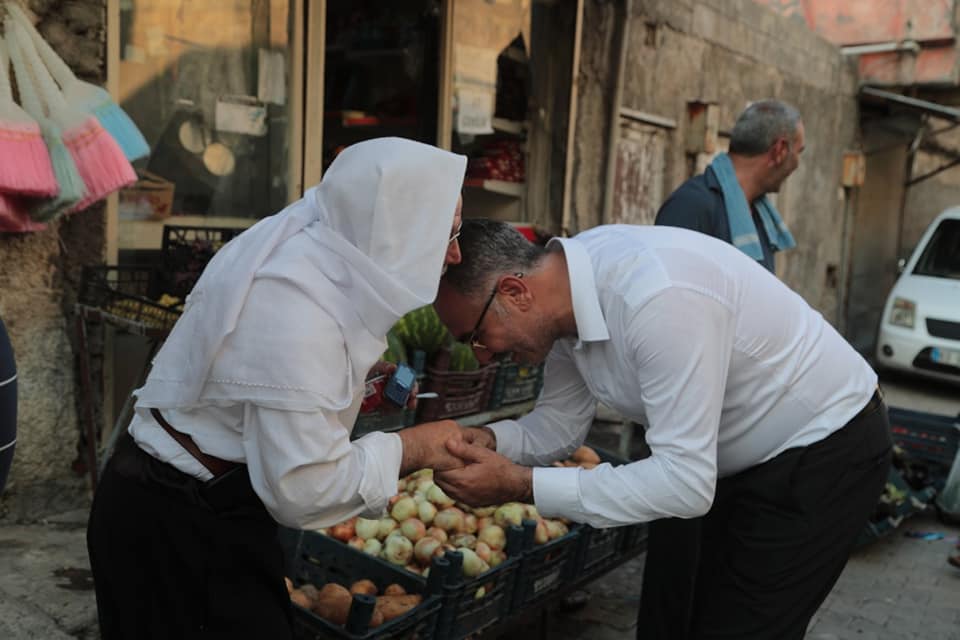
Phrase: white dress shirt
{"type": "Point", "coordinates": [725, 365]}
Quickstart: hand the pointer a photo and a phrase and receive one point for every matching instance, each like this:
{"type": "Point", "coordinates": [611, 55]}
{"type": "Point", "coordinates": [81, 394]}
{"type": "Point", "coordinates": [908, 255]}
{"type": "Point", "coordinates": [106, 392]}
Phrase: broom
{"type": "Point", "coordinates": [102, 164]}
{"type": "Point", "coordinates": [85, 96]}
{"type": "Point", "coordinates": [71, 187]}
{"type": "Point", "coordinates": [24, 162]}
{"type": "Point", "coordinates": [14, 217]}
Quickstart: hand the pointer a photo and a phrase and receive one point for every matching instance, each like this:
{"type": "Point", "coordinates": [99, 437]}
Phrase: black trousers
{"type": "Point", "coordinates": [774, 543]}
{"type": "Point", "coordinates": [173, 557]}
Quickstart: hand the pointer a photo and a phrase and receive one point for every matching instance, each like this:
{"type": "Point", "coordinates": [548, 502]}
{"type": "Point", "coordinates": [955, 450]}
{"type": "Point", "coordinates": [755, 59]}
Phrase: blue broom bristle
{"type": "Point", "coordinates": [122, 128]}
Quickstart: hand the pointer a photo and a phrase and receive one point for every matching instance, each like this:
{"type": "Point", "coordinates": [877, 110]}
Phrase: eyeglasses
{"type": "Point", "coordinates": [472, 338]}
{"type": "Point", "coordinates": [456, 234]}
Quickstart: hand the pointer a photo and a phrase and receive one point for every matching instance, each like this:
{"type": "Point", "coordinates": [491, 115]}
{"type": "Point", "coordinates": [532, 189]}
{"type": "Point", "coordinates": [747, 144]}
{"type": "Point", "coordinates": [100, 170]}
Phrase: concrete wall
{"type": "Point", "coordinates": [39, 275]}
{"type": "Point", "coordinates": [727, 52]}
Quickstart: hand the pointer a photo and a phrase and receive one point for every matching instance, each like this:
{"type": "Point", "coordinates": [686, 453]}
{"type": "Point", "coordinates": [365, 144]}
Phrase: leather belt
{"type": "Point", "coordinates": [875, 401]}
{"type": "Point", "coordinates": [216, 466]}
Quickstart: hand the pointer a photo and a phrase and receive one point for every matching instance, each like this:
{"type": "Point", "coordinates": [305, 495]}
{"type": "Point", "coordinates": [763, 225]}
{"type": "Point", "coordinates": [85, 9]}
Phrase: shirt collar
{"type": "Point", "coordinates": [591, 326]}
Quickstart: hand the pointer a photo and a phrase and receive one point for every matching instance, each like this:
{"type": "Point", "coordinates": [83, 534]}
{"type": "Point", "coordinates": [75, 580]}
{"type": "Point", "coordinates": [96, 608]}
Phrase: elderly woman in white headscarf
{"type": "Point", "coordinates": [246, 416]}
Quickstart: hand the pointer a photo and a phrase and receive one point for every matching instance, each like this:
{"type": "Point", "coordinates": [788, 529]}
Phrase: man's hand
{"type": "Point", "coordinates": [425, 445]}
{"type": "Point", "coordinates": [481, 436]}
{"type": "Point", "coordinates": [487, 478]}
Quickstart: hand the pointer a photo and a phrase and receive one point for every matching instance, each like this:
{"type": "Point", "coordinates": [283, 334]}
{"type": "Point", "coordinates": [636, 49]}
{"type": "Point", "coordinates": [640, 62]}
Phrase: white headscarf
{"type": "Point", "coordinates": [363, 248]}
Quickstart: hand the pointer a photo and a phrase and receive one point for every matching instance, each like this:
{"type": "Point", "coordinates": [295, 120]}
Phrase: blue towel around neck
{"type": "Point", "coordinates": [743, 232]}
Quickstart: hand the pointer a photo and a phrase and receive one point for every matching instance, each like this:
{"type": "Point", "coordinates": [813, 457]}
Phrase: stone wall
{"type": "Point", "coordinates": [39, 275]}
{"type": "Point", "coordinates": [726, 52]}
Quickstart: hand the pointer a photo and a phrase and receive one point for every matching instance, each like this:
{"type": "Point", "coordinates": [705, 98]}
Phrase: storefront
{"type": "Point", "coordinates": [245, 103]}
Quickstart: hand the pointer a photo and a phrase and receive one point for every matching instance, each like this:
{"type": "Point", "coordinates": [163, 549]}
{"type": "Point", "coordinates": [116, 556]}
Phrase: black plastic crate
{"type": "Point", "coordinates": [516, 383]}
{"type": "Point", "coordinates": [631, 539]}
{"type": "Point", "coordinates": [634, 540]}
{"type": "Point", "coordinates": [128, 295]}
{"type": "Point", "coordinates": [471, 605]}
{"type": "Point", "coordinates": [547, 568]}
{"type": "Point", "coordinates": [599, 551]}
{"type": "Point", "coordinates": [926, 436]}
{"type": "Point", "coordinates": [320, 559]}
{"type": "Point", "coordinates": [185, 252]}
{"type": "Point", "coordinates": [382, 421]}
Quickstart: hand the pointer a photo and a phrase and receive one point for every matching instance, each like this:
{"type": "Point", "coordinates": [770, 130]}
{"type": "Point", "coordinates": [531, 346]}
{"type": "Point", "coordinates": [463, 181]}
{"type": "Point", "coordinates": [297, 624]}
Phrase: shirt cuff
{"type": "Point", "coordinates": [556, 493]}
{"type": "Point", "coordinates": [382, 455]}
{"type": "Point", "coordinates": [509, 438]}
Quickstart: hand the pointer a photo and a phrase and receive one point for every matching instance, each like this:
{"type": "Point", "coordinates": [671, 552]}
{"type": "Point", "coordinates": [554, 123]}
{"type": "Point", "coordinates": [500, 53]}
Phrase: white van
{"type": "Point", "coordinates": [920, 327]}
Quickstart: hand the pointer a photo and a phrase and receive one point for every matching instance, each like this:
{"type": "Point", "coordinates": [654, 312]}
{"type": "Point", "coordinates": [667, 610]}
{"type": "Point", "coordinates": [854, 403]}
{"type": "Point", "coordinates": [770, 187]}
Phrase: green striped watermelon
{"type": "Point", "coordinates": [462, 357]}
{"type": "Point", "coordinates": [421, 329]}
{"type": "Point", "coordinates": [396, 351]}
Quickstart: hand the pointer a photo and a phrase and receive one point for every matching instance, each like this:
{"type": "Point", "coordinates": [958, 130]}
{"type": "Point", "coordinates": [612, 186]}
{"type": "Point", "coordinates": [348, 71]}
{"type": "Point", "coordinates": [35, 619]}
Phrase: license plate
{"type": "Point", "coordinates": [945, 356]}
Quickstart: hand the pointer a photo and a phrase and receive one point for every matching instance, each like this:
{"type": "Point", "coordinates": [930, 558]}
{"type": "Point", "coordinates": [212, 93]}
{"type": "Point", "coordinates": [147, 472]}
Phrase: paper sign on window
{"type": "Point", "coordinates": [241, 114]}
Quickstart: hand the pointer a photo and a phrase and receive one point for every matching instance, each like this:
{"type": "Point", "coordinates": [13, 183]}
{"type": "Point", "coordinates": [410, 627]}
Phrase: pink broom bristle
{"type": "Point", "coordinates": [25, 166]}
{"type": "Point", "coordinates": [102, 164]}
{"type": "Point", "coordinates": [14, 217]}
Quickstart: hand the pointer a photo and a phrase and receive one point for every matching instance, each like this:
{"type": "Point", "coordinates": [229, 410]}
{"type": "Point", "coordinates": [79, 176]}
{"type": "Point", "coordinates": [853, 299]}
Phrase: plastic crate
{"type": "Point", "coordinates": [382, 421]}
{"type": "Point", "coordinates": [185, 252]}
{"type": "Point", "coordinates": [460, 393]}
{"type": "Point", "coordinates": [320, 559]}
{"type": "Point", "coordinates": [545, 569]}
{"type": "Point", "coordinates": [468, 611]}
{"type": "Point", "coordinates": [603, 549]}
{"type": "Point", "coordinates": [926, 436]}
{"type": "Point", "coordinates": [599, 551]}
{"type": "Point", "coordinates": [516, 383]}
{"type": "Point", "coordinates": [126, 294]}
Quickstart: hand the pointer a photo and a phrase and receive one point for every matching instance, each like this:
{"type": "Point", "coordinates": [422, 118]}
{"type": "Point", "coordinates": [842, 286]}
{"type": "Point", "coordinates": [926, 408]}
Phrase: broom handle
{"type": "Point", "coordinates": [49, 92]}
{"type": "Point", "coordinates": [54, 63]}
{"type": "Point", "coordinates": [28, 95]}
{"type": "Point", "coordinates": [6, 89]}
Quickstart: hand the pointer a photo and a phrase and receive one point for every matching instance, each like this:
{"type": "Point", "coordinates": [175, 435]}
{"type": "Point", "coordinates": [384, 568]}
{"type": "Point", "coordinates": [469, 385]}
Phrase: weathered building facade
{"type": "Point", "coordinates": [681, 54]}
{"type": "Point", "coordinates": [657, 85]}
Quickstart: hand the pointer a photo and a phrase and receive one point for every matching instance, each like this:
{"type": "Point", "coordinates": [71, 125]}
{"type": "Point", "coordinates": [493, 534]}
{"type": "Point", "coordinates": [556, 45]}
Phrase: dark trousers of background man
{"type": "Point", "coordinates": [762, 561]}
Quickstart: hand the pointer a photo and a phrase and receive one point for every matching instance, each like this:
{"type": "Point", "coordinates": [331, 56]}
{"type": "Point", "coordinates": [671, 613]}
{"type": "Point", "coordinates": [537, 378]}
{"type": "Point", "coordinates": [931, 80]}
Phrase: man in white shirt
{"type": "Point", "coordinates": [246, 416]}
{"type": "Point", "coordinates": [759, 414]}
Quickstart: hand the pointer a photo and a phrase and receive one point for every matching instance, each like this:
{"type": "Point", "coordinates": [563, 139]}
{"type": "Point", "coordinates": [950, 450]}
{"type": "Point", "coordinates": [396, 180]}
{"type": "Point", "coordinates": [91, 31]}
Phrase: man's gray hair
{"type": "Point", "coordinates": [488, 250]}
{"type": "Point", "coordinates": [760, 125]}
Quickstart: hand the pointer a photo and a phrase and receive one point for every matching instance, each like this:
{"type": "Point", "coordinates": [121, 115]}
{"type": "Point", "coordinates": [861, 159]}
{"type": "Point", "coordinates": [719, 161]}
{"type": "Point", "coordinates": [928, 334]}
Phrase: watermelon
{"type": "Point", "coordinates": [462, 357]}
{"type": "Point", "coordinates": [421, 329]}
{"type": "Point", "coordinates": [396, 351]}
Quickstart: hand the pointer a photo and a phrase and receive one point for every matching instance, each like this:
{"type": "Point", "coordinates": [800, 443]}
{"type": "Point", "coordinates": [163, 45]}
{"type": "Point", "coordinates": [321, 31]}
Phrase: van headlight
{"type": "Point", "coordinates": [902, 313]}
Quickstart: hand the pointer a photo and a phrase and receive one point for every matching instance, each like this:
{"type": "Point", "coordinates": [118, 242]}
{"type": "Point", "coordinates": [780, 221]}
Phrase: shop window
{"type": "Point", "coordinates": [491, 104]}
{"type": "Point", "coordinates": [381, 75]}
{"type": "Point", "coordinates": [207, 81]}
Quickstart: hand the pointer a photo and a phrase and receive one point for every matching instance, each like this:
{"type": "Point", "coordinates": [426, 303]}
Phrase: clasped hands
{"type": "Point", "coordinates": [465, 463]}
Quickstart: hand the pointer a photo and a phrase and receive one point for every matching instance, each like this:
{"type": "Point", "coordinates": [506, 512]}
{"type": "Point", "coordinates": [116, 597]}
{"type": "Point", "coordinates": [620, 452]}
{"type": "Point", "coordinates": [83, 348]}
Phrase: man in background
{"type": "Point", "coordinates": [728, 201]}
